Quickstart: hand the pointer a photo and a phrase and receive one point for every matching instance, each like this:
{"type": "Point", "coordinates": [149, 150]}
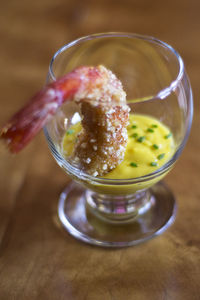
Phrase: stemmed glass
{"type": "Point", "coordinates": [122, 212]}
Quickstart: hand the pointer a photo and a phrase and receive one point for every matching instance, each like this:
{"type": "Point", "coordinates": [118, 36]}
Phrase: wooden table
{"type": "Point", "coordinates": [38, 259]}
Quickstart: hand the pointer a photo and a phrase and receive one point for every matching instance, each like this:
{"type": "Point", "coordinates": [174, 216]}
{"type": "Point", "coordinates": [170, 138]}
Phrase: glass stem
{"type": "Point", "coordinates": [116, 208]}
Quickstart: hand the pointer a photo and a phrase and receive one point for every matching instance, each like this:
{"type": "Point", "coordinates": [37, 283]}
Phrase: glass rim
{"type": "Point", "coordinates": [163, 93]}
{"type": "Point", "coordinates": [81, 175]}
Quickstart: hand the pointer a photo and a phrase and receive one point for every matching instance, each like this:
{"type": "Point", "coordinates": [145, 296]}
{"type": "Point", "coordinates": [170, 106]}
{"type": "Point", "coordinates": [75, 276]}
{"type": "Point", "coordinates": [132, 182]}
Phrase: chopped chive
{"type": "Point", "coordinates": [134, 126]}
{"type": "Point", "coordinates": [155, 146]}
{"type": "Point", "coordinates": [150, 130]}
{"type": "Point", "coordinates": [141, 139]}
{"type": "Point", "coordinates": [160, 156]}
{"type": "Point", "coordinates": [154, 125]}
{"type": "Point", "coordinates": [153, 164]}
{"type": "Point", "coordinates": [134, 135]}
{"type": "Point", "coordinates": [168, 135]}
{"type": "Point", "coordinates": [70, 131]}
{"type": "Point", "coordinates": [132, 164]}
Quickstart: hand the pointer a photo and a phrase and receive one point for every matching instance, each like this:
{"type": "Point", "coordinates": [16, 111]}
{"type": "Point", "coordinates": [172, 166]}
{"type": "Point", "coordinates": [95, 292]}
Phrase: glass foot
{"type": "Point", "coordinates": [82, 220]}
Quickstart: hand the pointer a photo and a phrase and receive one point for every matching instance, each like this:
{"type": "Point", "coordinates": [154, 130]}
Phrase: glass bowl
{"type": "Point", "coordinates": [122, 212]}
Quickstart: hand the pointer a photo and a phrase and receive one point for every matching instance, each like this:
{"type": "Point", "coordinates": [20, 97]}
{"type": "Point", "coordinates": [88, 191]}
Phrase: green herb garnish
{"type": "Point", "coordinates": [155, 146]}
{"type": "Point", "coordinates": [141, 139]}
{"type": "Point", "coordinates": [168, 135]}
{"type": "Point", "coordinates": [160, 156]}
{"type": "Point", "coordinates": [134, 126]}
{"type": "Point", "coordinates": [132, 164]}
{"type": "Point", "coordinates": [153, 164]}
{"type": "Point", "coordinates": [70, 131]}
{"type": "Point", "coordinates": [154, 125]}
{"type": "Point", "coordinates": [134, 135]}
{"type": "Point", "coordinates": [150, 130]}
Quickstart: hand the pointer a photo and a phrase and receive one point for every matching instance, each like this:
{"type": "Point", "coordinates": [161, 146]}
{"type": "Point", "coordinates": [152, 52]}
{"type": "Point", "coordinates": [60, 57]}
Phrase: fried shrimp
{"type": "Point", "coordinates": [101, 144]}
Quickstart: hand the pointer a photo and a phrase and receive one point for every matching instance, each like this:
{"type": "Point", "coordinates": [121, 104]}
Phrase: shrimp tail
{"type": "Point", "coordinates": [26, 123]}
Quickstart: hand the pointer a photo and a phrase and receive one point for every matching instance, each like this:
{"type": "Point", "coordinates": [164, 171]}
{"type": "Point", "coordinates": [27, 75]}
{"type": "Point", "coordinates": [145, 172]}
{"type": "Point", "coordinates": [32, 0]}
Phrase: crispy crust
{"type": "Point", "coordinates": [102, 142]}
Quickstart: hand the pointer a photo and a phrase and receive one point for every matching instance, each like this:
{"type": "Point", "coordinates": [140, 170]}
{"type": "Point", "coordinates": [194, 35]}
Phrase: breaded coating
{"type": "Point", "coordinates": [102, 142]}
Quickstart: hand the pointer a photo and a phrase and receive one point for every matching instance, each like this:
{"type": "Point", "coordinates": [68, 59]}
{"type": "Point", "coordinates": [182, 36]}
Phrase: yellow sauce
{"type": "Point", "coordinates": [150, 145]}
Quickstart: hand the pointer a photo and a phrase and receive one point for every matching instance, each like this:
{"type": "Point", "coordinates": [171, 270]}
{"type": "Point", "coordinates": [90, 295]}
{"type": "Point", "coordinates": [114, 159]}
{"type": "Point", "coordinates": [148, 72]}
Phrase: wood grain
{"type": "Point", "coordinates": [39, 260]}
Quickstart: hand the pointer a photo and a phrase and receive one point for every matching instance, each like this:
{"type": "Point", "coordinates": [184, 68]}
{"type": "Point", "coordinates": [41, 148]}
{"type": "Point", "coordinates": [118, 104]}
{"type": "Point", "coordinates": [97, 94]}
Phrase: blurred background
{"type": "Point", "coordinates": [31, 32]}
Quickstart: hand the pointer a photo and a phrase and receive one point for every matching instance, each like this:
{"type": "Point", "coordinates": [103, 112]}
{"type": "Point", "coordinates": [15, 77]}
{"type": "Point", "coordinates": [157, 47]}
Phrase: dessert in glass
{"type": "Point", "coordinates": [129, 204]}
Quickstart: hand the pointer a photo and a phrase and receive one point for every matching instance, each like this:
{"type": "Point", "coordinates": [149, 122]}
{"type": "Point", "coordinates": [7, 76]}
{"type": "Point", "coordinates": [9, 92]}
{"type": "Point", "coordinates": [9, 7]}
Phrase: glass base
{"type": "Point", "coordinates": [93, 221]}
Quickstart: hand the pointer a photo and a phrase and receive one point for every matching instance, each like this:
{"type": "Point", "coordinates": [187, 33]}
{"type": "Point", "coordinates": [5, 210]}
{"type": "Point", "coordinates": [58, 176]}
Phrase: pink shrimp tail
{"type": "Point", "coordinates": [25, 124]}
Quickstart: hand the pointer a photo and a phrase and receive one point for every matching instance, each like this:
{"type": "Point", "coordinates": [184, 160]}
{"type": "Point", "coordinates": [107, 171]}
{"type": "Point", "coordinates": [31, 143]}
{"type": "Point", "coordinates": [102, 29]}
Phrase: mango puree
{"type": "Point", "coordinates": [150, 145]}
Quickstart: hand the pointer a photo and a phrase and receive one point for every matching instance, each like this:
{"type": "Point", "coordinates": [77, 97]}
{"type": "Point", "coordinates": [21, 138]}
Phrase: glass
{"type": "Point", "coordinates": [122, 212]}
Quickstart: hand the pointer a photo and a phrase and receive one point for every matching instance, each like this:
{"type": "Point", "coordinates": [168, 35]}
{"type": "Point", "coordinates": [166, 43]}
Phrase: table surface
{"type": "Point", "coordinates": [39, 260]}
